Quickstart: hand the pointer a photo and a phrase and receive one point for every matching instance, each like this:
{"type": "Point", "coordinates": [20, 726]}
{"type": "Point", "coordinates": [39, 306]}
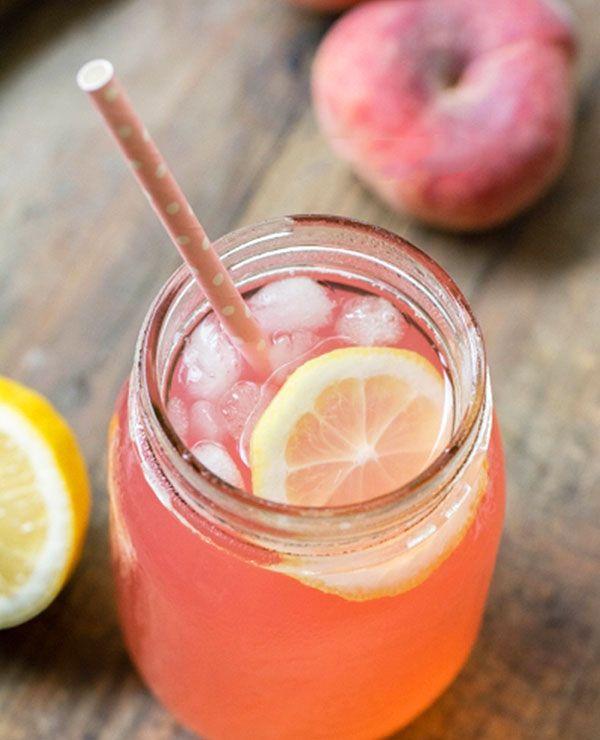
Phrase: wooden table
{"type": "Point", "coordinates": [223, 85]}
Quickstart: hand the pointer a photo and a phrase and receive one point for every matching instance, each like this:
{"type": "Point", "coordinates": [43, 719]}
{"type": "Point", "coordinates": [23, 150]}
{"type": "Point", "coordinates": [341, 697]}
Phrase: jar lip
{"type": "Point", "coordinates": [146, 384]}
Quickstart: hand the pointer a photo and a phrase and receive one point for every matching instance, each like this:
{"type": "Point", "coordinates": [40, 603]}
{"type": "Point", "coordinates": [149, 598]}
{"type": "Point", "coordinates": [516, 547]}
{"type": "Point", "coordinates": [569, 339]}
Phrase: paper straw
{"type": "Point", "coordinates": [97, 79]}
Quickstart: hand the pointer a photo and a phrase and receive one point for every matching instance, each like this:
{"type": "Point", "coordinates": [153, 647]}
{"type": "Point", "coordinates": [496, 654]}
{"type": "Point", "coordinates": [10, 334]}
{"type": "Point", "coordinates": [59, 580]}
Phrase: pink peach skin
{"type": "Point", "coordinates": [459, 112]}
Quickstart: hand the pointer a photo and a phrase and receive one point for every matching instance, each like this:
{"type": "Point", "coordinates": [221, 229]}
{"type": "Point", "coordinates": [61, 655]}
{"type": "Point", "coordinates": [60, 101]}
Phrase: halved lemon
{"type": "Point", "coordinates": [349, 425]}
{"type": "Point", "coordinates": [44, 503]}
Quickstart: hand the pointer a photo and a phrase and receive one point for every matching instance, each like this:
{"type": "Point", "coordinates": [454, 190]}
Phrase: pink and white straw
{"type": "Point", "coordinates": [97, 79]}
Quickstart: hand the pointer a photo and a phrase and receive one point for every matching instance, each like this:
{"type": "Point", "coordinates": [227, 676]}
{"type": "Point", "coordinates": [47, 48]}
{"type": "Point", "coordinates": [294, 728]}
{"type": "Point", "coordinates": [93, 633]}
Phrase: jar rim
{"type": "Point", "coordinates": [204, 484]}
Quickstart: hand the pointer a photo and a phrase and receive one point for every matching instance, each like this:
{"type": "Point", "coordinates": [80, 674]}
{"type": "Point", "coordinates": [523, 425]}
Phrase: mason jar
{"type": "Point", "coordinates": [254, 619]}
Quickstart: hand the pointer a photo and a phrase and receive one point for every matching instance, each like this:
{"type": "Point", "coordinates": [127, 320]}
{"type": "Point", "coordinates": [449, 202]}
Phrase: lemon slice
{"type": "Point", "coordinates": [349, 425]}
{"type": "Point", "coordinates": [353, 424]}
{"type": "Point", "coordinates": [44, 503]}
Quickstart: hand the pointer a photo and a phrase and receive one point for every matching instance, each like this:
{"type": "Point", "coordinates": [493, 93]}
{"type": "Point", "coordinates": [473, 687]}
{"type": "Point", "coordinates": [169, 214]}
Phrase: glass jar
{"type": "Point", "coordinates": [252, 619]}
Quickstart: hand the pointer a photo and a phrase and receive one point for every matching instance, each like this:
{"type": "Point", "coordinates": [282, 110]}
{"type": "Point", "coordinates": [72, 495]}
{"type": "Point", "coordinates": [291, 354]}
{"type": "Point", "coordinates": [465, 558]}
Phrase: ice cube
{"type": "Point", "coordinates": [211, 363]}
{"type": "Point", "coordinates": [238, 404]}
{"type": "Point", "coordinates": [290, 346]}
{"type": "Point", "coordinates": [369, 321]}
{"type": "Point", "coordinates": [292, 303]}
{"type": "Point", "coordinates": [206, 422]}
{"type": "Point", "coordinates": [266, 394]}
{"type": "Point", "coordinates": [177, 413]}
{"type": "Point", "coordinates": [219, 462]}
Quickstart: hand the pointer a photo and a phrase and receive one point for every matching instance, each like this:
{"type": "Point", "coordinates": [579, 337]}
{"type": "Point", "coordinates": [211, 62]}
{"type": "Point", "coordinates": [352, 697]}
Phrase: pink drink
{"type": "Point", "coordinates": [216, 397]}
{"type": "Point", "coordinates": [250, 619]}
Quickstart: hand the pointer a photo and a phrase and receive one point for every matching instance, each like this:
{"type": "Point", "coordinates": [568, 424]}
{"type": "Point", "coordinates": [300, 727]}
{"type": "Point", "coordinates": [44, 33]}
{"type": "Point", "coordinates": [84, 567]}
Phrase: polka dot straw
{"type": "Point", "coordinates": [97, 79]}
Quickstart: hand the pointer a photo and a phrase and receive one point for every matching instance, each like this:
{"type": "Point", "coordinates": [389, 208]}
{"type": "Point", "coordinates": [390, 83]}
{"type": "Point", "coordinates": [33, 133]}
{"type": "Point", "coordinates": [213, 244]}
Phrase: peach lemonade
{"type": "Point", "coordinates": [307, 556]}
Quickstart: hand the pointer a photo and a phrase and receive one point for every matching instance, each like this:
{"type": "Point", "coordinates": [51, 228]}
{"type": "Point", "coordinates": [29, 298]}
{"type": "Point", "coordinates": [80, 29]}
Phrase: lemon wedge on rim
{"type": "Point", "coordinates": [44, 503]}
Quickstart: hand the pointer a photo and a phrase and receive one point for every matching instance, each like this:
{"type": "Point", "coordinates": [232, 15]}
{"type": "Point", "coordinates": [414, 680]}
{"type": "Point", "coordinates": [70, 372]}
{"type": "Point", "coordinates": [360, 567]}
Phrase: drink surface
{"type": "Point", "coordinates": [216, 398]}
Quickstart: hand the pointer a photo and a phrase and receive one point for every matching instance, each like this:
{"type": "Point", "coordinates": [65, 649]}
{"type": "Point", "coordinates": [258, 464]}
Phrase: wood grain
{"type": "Point", "coordinates": [223, 85]}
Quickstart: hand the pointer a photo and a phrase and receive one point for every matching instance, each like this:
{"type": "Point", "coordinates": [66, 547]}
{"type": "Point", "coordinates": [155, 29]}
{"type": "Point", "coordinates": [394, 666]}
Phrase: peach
{"type": "Point", "coordinates": [459, 112]}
